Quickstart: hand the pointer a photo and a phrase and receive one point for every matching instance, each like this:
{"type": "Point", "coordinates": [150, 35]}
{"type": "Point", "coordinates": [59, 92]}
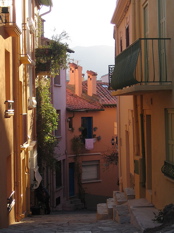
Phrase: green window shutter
{"type": "Point", "coordinates": [170, 135]}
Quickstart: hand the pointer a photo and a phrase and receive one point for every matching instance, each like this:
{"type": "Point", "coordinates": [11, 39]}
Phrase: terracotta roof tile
{"type": "Point", "coordinates": [98, 102]}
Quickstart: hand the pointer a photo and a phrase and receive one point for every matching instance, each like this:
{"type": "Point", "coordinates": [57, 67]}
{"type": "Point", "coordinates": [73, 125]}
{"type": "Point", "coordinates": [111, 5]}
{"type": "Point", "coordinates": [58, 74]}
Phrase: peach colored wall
{"type": "Point", "coordinates": [125, 134]}
{"type": "Point", "coordinates": [104, 121]}
{"type": "Point", "coordinates": [108, 178]}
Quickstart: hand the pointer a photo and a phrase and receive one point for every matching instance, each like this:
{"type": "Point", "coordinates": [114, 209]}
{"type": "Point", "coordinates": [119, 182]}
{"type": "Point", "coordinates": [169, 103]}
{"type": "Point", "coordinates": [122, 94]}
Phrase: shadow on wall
{"type": "Point", "coordinates": [5, 167]}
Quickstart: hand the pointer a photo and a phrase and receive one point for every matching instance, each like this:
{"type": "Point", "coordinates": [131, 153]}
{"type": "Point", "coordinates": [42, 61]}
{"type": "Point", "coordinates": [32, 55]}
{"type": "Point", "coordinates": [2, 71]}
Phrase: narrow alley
{"type": "Point", "coordinates": [82, 221]}
{"type": "Point", "coordinates": [79, 221]}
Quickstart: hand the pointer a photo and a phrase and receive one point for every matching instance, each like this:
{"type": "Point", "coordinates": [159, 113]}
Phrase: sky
{"type": "Point", "coordinates": [87, 22]}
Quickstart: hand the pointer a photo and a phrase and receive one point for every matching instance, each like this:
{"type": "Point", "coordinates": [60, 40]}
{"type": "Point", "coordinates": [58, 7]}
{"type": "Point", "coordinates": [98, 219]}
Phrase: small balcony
{"type": "Point", "coordinates": [168, 169]}
{"type": "Point", "coordinates": [10, 27]}
{"type": "Point", "coordinates": [43, 61]}
{"type": "Point", "coordinates": [145, 66]}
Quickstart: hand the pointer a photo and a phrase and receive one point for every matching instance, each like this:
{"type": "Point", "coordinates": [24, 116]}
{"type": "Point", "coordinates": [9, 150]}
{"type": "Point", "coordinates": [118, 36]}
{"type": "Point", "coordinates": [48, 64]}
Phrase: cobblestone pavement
{"type": "Point", "coordinates": [68, 222]}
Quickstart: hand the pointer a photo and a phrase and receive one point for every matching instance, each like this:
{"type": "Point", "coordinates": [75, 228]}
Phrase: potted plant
{"type": "Point", "coordinates": [51, 58]}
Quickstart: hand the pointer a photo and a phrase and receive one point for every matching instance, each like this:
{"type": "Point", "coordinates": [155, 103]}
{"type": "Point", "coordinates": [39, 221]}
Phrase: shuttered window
{"type": "Point", "coordinates": [170, 135]}
{"type": "Point", "coordinates": [90, 170]}
{"type": "Point", "coordinates": [57, 80]}
{"type": "Point", "coordinates": [162, 34]}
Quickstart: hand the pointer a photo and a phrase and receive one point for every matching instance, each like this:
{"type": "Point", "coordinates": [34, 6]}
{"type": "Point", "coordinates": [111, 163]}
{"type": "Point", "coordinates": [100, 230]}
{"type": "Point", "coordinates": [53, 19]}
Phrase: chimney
{"type": "Point", "coordinates": [76, 78]}
{"type": "Point", "coordinates": [78, 81]}
{"type": "Point", "coordinates": [73, 69]}
{"type": "Point", "coordinates": [91, 82]}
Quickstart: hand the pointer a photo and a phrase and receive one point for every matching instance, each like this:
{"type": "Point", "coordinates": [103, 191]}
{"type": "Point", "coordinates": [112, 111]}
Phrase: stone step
{"type": "Point", "coordinates": [79, 206]}
{"type": "Point", "coordinates": [130, 193]}
{"type": "Point", "coordinates": [121, 214]}
{"type": "Point", "coordinates": [102, 211]}
{"type": "Point", "coordinates": [73, 204]}
{"type": "Point", "coordinates": [142, 214]}
{"type": "Point", "coordinates": [119, 197]}
{"type": "Point", "coordinates": [67, 206]}
{"type": "Point", "coordinates": [110, 203]}
{"type": "Point", "coordinates": [75, 201]}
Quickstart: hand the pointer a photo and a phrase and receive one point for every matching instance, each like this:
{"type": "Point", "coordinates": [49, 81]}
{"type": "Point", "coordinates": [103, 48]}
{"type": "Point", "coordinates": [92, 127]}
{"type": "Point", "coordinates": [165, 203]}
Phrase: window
{"type": "Point", "coordinates": [162, 17]}
{"type": "Point", "coordinates": [168, 167]}
{"type": "Point", "coordinates": [162, 34]}
{"type": "Point", "coordinates": [58, 130]}
{"type": "Point", "coordinates": [58, 174]}
{"type": "Point", "coordinates": [87, 127]}
{"type": "Point", "coordinates": [70, 123]}
{"type": "Point", "coordinates": [121, 45]}
{"type": "Point", "coordinates": [127, 36]}
{"type": "Point", "coordinates": [7, 76]}
{"type": "Point", "coordinates": [146, 47]}
{"type": "Point", "coordinates": [169, 114]}
{"type": "Point", "coordinates": [57, 80]}
{"type": "Point", "coordinates": [90, 170]}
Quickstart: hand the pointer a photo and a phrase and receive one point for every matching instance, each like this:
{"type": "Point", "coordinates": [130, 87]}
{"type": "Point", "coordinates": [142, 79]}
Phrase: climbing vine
{"type": "Point", "coordinates": [77, 147]}
{"type": "Point", "coordinates": [47, 122]}
{"type": "Point", "coordinates": [110, 157]}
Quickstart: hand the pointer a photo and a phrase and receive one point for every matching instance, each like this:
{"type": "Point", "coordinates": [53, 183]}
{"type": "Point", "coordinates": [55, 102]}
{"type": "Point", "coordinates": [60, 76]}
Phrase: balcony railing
{"type": "Point", "coordinates": [43, 60]}
{"type": "Point", "coordinates": [145, 62]}
{"type": "Point", "coordinates": [11, 201]}
{"type": "Point", "coordinates": [168, 169]}
{"type": "Point", "coordinates": [24, 133]}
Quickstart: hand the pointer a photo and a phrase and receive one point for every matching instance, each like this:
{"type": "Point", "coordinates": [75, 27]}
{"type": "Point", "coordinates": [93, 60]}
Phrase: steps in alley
{"type": "Point", "coordinates": [124, 208]}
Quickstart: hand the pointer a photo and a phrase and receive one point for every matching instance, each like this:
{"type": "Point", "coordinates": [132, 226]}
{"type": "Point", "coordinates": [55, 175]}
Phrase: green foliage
{"type": "Point", "coordinates": [55, 54]}
{"type": "Point", "coordinates": [47, 122]}
{"type": "Point", "coordinates": [110, 157]}
{"type": "Point", "coordinates": [159, 217]}
{"type": "Point", "coordinates": [77, 147]}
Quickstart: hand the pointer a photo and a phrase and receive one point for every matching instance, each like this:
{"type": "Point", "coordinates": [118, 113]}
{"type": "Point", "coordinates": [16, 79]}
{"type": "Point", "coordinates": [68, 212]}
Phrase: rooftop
{"type": "Point", "coordinates": [102, 99]}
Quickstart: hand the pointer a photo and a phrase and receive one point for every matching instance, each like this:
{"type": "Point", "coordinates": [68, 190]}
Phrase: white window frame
{"type": "Point", "coordinates": [90, 171]}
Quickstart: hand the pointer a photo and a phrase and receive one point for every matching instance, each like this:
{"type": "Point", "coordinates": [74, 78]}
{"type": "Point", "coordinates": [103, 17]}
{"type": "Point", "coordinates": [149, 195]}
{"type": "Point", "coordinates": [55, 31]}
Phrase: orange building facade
{"type": "Point", "coordinates": [91, 116]}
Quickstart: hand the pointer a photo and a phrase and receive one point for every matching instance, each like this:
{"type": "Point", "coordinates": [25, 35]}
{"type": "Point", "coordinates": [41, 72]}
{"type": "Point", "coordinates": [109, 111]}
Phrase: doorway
{"type": "Point", "coordinates": [148, 157]}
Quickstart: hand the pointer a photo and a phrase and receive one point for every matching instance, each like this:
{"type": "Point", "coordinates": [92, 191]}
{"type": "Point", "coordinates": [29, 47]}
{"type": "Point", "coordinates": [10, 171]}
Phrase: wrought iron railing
{"type": "Point", "coordinates": [110, 73]}
{"type": "Point", "coordinates": [146, 61]}
{"type": "Point", "coordinates": [168, 169]}
{"type": "Point", "coordinates": [10, 201]}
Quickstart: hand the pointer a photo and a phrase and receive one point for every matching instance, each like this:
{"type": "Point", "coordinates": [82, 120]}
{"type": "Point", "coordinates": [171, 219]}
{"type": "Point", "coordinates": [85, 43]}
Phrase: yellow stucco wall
{"type": "Point", "coordinates": [157, 188]}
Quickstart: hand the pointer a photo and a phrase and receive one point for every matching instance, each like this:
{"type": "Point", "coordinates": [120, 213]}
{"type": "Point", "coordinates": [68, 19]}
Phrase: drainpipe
{"type": "Point", "coordinates": [47, 12]}
{"type": "Point", "coordinates": [119, 145]}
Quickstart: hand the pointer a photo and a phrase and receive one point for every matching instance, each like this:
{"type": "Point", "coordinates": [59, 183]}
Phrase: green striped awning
{"type": "Point", "coordinates": [125, 64]}
{"type": "Point", "coordinates": [45, 2]}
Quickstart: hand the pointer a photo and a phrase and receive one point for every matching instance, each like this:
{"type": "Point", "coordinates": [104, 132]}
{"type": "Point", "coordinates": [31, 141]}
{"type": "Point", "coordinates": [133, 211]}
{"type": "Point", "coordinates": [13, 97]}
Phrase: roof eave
{"type": "Point", "coordinates": [84, 110]}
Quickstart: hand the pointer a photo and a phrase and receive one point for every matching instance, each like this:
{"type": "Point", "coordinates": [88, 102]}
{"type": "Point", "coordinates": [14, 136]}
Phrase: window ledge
{"type": "Point", "coordinates": [91, 181]}
{"type": "Point", "coordinates": [57, 85]}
